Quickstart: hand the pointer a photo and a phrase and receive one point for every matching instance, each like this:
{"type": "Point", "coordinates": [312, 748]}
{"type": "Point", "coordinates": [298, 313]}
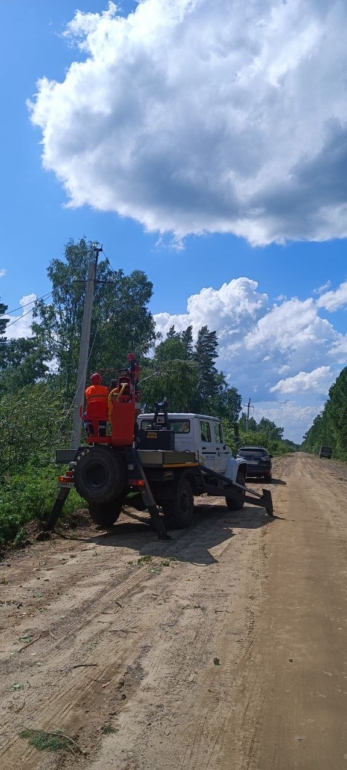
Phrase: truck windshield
{"type": "Point", "coordinates": [180, 426]}
{"type": "Point", "coordinates": [177, 426]}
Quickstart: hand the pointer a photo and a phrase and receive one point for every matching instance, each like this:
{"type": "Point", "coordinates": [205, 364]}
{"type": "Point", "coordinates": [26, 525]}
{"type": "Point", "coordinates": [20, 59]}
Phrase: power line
{"type": "Point", "coordinates": [45, 296]}
{"type": "Point", "coordinates": [15, 320]}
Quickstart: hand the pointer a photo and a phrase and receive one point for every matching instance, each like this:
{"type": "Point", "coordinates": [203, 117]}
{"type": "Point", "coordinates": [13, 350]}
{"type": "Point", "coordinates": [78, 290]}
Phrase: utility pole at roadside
{"type": "Point", "coordinates": [84, 348]}
{"type": "Point", "coordinates": [247, 416]}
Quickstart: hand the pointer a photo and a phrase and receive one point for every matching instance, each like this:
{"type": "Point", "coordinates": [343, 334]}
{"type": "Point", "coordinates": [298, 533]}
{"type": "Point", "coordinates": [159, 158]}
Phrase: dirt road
{"type": "Point", "coordinates": [225, 648]}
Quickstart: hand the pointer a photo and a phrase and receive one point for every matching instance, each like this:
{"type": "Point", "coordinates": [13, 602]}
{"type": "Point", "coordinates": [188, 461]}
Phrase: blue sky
{"type": "Point", "coordinates": [289, 239]}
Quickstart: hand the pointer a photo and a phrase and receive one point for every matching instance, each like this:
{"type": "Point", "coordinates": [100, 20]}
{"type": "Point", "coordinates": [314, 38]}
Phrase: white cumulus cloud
{"type": "Point", "coordinates": [316, 381]}
{"type": "Point", "coordinates": [294, 418]}
{"type": "Point", "coordinates": [19, 326]}
{"type": "Point", "coordinates": [206, 115]}
{"type": "Point", "coordinates": [333, 300]}
{"type": "Point", "coordinates": [268, 350]}
{"type": "Point", "coordinates": [2, 273]}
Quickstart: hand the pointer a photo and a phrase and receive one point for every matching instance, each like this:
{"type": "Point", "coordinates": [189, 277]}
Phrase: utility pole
{"type": "Point", "coordinates": [247, 417]}
{"type": "Point", "coordinates": [84, 348]}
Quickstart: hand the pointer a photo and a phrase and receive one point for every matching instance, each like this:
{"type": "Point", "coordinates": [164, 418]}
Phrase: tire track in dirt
{"type": "Point", "coordinates": [197, 695]}
{"type": "Point", "coordinates": [73, 635]}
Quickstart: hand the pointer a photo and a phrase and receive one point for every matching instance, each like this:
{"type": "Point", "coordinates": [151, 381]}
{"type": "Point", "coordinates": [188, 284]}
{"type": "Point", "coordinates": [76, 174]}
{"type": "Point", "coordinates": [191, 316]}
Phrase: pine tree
{"type": "Point", "coordinates": [187, 339]}
{"type": "Point", "coordinates": [205, 355]}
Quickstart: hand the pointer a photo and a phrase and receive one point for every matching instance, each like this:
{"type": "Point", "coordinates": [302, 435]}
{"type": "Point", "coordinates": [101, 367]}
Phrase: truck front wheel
{"type": "Point", "coordinates": [179, 512]}
{"type": "Point", "coordinates": [237, 505]}
{"type": "Point", "coordinates": [106, 514]}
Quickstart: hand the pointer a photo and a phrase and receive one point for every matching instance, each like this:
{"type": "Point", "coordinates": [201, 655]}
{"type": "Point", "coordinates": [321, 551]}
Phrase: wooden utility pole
{"type": "Point", "coordinates": [247, 416]}
{"type": "Point", "coordinates": [84, 348]}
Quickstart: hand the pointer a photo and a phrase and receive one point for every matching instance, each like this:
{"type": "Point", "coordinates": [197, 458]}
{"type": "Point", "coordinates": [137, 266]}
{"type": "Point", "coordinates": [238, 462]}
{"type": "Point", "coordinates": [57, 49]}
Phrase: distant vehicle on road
{"type": "Point", "coordinates": [325, 451]}
{"type": "Point", "coordinates": [258, 461]}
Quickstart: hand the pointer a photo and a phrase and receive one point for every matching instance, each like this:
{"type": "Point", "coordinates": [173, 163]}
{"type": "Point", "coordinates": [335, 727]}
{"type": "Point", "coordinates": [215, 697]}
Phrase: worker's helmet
{"type": "Point", "coordinates": [96, 379]}
{"type": "Point", "coordinates": [130, 357]}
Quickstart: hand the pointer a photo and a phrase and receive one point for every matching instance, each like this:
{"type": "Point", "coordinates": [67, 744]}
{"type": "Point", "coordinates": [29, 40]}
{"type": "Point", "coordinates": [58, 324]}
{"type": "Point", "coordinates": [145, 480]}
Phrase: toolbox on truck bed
{"type": "Point", "coordinates": [156, 457]}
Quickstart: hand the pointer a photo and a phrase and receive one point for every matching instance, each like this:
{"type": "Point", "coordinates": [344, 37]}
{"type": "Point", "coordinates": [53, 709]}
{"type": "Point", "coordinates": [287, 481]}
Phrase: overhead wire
{"type": "Point", "coordinates": [15, 320]}
{"type": "Point", "coordinates": [39, 299]}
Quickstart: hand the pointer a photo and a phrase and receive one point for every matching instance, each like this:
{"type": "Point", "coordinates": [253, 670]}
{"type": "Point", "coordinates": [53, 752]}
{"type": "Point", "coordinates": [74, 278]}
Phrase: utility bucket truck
{"type": "Point", "coordinates": [154, 461]}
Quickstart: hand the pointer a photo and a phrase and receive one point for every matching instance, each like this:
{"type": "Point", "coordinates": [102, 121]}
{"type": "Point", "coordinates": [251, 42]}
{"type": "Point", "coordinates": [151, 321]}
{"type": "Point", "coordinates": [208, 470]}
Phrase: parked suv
{"type": "Point", "coordinates": [258, 461]}
{"type": "Point", "coordinates": [325, 451]}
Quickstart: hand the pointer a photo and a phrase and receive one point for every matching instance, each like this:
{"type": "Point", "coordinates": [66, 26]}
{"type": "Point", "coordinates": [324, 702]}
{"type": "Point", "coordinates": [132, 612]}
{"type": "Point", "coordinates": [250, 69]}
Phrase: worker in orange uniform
{"type": "Point", "coordinates": [96, 396]}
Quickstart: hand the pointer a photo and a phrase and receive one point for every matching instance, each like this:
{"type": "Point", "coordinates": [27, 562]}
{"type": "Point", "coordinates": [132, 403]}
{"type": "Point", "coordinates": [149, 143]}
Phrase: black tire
{"type": "Point", "coordinates": [268, 478]}
{"type": "Point", "coordinates": [237, 505]}
{"type": "Point", "coordinates": [106, 514]}
{"type": "Point", "coordinates": [179, 513]}
{"type": "Point", "coordinates": [100, 475]}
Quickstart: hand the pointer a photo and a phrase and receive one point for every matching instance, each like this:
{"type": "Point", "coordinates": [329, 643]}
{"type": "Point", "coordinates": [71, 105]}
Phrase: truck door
{"type": "Point", "coordinates": [222, 451]}
{"type": "Point", "coordinates": [208, 449]}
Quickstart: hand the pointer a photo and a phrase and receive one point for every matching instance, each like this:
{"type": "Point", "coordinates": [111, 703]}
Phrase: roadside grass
{"type": "Point", "coordinates": [108, 730]}
{"type": "Point", "coordinates": [28, 496]}
{"type": "Point", "coordinates": [43, 741]}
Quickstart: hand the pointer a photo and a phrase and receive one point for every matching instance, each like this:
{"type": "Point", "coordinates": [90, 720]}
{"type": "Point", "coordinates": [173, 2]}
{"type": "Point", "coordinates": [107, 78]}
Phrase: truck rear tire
{"type": "Point", "coordinates": [106, 514]}
{"type": "Point", "coordinates": [236, 505]}
{"type": "Point", "coordinates": [100, 475]}
{"type": "Point", "coordinates": [178, 513]}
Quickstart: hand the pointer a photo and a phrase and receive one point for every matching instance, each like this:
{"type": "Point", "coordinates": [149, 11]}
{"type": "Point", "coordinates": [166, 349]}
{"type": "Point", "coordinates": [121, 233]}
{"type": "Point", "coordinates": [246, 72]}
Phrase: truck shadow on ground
{"type": "Point", "coordinates": [212, 527]}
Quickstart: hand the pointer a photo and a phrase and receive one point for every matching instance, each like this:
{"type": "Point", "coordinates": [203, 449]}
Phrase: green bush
{"type": "Point", "coordinates": [29, 496]}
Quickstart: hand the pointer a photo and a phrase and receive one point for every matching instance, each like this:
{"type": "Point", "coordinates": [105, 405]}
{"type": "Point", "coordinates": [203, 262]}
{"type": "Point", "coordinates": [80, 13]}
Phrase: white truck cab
{"type": "Point", "coordinates": [202, 435]}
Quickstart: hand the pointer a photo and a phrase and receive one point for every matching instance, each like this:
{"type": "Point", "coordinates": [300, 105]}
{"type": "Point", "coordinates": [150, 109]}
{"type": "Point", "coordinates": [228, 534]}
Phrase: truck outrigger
{"type": "Point", "coordinates": [161, 460]}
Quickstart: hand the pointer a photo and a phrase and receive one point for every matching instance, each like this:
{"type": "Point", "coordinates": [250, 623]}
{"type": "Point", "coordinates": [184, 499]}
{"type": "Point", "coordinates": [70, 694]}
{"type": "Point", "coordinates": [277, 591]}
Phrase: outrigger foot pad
{"type": "Point", "coordinates": [158, 523]}
{"type": "Point", "coordinates": [268, 504]}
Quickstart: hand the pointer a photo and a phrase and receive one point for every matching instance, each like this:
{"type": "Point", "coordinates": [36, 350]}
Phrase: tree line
{"type": "Point", "coordinates": [330, 426]}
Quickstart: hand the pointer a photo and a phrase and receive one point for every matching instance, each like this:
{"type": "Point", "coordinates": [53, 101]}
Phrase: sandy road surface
{"type": "Point", "coordinates": [266, 599]}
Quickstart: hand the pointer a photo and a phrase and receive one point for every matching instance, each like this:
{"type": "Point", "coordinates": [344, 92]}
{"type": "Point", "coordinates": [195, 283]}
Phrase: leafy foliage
{"type": "Point", "coordinates": [22, 362]}
{"type": "Point", "coordinates": [29, 495]}
{"type": "Point", "coordinates": [120, 321]}
{"type": "Point", "coordinates": [32, 425]}
{"type": "Point", "coordinates": [265, 433]}
{"type": "Point", "coordinates": [330, 427]}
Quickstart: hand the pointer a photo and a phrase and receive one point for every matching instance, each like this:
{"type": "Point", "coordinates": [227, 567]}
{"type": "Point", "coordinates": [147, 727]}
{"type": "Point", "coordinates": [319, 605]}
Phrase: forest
{"type": "Point", "coordinates": [38, 379]}
{"type": "Point", "coordinates": [330, 426]}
